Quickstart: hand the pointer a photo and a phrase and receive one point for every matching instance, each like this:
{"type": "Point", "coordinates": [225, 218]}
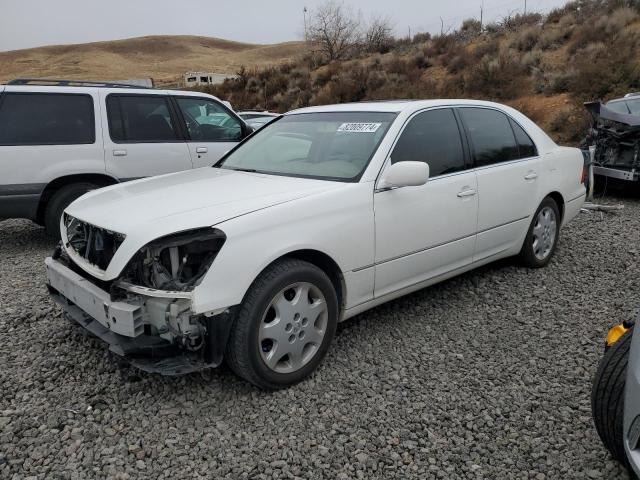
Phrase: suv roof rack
{"type": "Point", "coordinates": [52, 82]}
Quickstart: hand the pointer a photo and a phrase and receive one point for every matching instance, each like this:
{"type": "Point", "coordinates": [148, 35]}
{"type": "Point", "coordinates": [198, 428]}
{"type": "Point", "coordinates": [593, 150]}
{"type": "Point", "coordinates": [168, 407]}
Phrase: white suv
{"type": "Point", "coordinates": [61, 138]}
{"type": "Point", "coordinates": [320, 215]}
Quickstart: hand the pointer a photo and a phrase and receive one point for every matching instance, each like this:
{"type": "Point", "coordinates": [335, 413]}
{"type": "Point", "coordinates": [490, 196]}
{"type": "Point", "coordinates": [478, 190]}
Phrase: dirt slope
{"type": "Point", "coordinates": [165, 58]}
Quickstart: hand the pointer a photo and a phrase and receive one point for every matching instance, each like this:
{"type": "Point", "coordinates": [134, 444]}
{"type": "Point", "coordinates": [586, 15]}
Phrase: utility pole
{"type": "Point", "coordinates": [441, 26]}
{"type": "Point", "coordinates": [304, 14]}
{"type": "Point", "coordinates": [525, 7]}
{"type": "Point", "coordinates": [481, 12]}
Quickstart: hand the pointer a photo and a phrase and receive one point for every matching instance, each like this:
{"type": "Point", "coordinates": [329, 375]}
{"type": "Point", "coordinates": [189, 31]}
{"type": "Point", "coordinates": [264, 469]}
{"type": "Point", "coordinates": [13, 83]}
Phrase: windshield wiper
{"type": "Point", "coordinates": [250, 170]}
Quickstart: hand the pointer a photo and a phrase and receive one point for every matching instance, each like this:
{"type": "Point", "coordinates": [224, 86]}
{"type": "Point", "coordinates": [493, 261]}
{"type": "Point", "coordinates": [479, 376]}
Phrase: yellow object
{"type": "Point", "coordinates": [616, 334]}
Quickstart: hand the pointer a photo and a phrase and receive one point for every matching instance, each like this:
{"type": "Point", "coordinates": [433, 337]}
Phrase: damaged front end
{"type": "Point", "coordinates": [145, 315]}
{"type": "Point", "coordinates": [615, 141]}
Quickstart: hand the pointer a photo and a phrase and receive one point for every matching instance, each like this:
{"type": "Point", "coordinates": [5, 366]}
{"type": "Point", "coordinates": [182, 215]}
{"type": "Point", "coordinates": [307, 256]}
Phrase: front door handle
{"type": "Point", "coordinates": [119, 153]}
{"type": "Point", "coordinates": [531, 176]}
{"type": "Point", "coordinates": [201, 150]}
{"type": "Point", "coordinates": [469, 192]}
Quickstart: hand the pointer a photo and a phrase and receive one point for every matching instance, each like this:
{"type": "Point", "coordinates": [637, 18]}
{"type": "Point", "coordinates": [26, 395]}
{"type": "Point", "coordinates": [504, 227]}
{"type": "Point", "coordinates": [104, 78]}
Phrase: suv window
{"type": "Point", "coordinates": [208, 121]}
{"type": "Point", "coordinates": [140, 118]}
{"type": "Point", "coordinates": [526, 147]}
{"type": "Point", "coordinates": [46, 119]}
{"type": "Point", "coordinates": [491, 135]}
{"type": "Point", "coordinates": [432, 137]}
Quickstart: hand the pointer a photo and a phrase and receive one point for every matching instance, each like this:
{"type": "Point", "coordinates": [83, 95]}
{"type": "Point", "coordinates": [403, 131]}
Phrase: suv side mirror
{"type": "Point", "coordinates": [405, 174]}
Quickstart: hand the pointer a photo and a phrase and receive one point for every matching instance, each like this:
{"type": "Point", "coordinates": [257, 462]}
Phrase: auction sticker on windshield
{"type": "Point", "coordinates": [359, 127]}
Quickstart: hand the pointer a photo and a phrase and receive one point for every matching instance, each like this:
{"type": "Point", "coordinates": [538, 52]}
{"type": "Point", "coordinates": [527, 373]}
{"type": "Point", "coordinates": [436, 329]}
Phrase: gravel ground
{"type": "Point", "coordinates": [484, 376]}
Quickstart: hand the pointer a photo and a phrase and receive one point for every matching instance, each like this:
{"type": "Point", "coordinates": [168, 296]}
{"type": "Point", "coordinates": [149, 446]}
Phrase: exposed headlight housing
{"type": "Point", "coordinates": [176, 262]}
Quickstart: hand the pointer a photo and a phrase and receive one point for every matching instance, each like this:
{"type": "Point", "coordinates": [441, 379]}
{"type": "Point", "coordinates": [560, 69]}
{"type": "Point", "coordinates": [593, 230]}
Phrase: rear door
{"type": "Point", "coordinates": [211, 128]}
{"type": "Point", "coordinates": [142, 137]}
{"type": "Point", "coordinates": [507, 167]}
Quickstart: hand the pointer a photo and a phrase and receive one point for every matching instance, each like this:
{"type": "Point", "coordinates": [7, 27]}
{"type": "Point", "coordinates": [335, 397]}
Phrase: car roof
{"type": "Point", "coordinates": [394, 106]}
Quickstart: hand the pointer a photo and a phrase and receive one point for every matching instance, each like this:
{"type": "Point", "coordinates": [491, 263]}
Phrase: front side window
{"type": "Point", "coordinates": [140, 118]}
{"type": "Point", "coordinates": [46, 119]}
{"type": "Point", "coordinates": [432, 137]}
{"type": "Point", "coordinates": [331, 145]}
{"type": "Point", "coordinates": [491, 135]}
{"type": "Point", "coordinates": [207, 121]}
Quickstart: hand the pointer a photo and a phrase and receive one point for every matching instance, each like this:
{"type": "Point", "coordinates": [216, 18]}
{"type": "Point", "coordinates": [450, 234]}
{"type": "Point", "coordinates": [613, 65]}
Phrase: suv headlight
{"type": "Point", "coordinates": [175, 262]}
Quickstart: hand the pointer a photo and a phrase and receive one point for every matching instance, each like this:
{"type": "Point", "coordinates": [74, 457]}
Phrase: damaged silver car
{"type": "Point", "coordinates": [614, 137]}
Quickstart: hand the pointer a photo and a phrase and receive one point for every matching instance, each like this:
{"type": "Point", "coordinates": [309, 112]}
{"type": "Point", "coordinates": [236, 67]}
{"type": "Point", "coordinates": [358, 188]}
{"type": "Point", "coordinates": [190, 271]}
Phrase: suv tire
{"type": "Point", "coordinates": [253, 354]}
{"type": "Point", "coordinates": [607, 397]}
{"type": "Point", "coordinates": [60, 200]}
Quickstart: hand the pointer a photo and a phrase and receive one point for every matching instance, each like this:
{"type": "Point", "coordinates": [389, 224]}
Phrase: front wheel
{"type": "Point", "coordinates": [284, 325]}
{"type": "Point", "coordinates": [542, 237]}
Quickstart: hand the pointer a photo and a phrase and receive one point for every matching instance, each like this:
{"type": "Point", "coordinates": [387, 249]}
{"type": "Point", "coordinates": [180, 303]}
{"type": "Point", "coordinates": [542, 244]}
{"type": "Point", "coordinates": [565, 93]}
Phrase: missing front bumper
{"type": "Point", "coordinates": [121, 325]}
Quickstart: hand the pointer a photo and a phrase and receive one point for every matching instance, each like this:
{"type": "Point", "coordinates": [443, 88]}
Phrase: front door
{"type": "Point", "coordinates": [212, 130]}
{"type": "Point", "coordinates": [423, 232]}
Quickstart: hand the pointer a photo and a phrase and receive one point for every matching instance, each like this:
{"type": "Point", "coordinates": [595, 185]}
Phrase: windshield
{"type": "Point", "coordinates": [332, 146]}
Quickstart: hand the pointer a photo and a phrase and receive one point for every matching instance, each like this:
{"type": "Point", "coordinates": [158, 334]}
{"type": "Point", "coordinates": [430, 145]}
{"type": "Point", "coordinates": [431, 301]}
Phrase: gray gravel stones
{"type": "Point", "coordinates": [484, 376]}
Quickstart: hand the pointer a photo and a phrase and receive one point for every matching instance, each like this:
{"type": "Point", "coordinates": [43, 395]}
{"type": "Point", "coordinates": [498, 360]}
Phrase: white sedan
{"type": "Point", "coordinates": [323, 214]}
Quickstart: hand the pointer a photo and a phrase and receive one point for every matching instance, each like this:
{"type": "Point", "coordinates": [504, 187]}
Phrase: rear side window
{"type": "Point", "coordinates": [526, 147]}
{"type": "Point", "coordinates": [46, 119]}
{"type": "Point", "coordinates": [140, 118]}
{"type": "Point", "coordinates": [491, 136]}
{"type": "Point", "coordinates": [432, 137]}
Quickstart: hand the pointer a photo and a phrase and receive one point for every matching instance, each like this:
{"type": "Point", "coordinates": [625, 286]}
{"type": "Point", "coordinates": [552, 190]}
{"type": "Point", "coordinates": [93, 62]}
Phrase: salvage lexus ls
{"type": "Point", "coordinates": [324, 213]}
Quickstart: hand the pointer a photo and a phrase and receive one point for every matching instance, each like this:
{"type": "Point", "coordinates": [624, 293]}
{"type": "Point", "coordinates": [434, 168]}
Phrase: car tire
{"type": "Point", "coordinates": [59, 201]}
{"type": "Point", "coordinates": [607, 397]}
{"type": "Point", "coordinates": [272, 321]}
{"type": "Point", "coordinates": [542, 237]}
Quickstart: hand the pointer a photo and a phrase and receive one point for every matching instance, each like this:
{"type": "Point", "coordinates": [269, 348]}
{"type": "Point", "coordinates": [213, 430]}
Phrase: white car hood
{"type": "Point", "coordinates": [147, 209]}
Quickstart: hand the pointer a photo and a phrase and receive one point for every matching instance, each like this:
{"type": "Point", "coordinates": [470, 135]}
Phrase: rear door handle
{"type": "Point", "coordinates": [469, 192]}
{"type": "Point", "coordinates": [531, 176]}
{"type": "Point", "coordinates": [201, 150]}
{"type": "Point", "coordinates": [119, 153]}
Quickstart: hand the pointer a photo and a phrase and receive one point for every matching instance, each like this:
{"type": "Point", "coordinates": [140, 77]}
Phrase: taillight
{"type": "Point", "coordinates": [583, 178]}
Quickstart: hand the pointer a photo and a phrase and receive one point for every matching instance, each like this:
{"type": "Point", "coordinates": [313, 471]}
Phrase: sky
{"type": "Point", "coordinates": [33, 23]}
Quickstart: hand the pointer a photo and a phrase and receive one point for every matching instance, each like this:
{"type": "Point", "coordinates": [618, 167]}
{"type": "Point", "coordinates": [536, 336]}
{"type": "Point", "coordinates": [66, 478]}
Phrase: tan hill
{"type": "Point", "coordinates": [164, 58]}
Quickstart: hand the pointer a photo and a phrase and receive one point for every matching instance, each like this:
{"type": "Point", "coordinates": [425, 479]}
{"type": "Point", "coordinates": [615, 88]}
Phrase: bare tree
{"type": "Point", "coordinates": [378, 37]}
{"type": "Point", "coordinates": [334, 29]}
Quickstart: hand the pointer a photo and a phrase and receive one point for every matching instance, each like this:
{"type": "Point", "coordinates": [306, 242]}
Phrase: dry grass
{"type": "Point", "coordinates": [165, 58]}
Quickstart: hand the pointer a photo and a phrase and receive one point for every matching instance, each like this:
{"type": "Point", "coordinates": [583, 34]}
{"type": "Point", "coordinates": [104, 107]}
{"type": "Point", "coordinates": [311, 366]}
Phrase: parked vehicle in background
{"type": "Point", "coordinates": [615, 137]}
{"type": "Point", "coordinates": [322, 214]}
{"type": "Point", "coordinates": [615, 397]}
{"type": "Point", "coordinates": [257, 119]}
{"type": "Point", "coordinates": [62, 138]}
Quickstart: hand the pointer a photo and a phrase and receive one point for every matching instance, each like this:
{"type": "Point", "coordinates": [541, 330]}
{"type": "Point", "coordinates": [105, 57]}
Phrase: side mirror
{"type": "Point", "coordinates": [405, 174]}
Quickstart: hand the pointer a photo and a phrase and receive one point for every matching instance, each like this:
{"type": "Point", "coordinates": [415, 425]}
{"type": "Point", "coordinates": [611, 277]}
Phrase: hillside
{"type": "Point", "coordinates": [546, 66]}
{"type": "Point", "coordinates": [164, 58]}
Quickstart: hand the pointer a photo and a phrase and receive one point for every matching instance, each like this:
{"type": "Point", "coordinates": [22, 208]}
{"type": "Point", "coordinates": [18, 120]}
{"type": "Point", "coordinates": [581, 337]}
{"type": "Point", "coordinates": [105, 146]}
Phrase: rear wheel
{"type": "Point", "coordinates": [59, 202]}
{"type": "Point", "coordinates": [284, 326]}
{"type": "Point", "coordinates": [542, 237]}
{"type": "Point", "coordinates": [607, 397]}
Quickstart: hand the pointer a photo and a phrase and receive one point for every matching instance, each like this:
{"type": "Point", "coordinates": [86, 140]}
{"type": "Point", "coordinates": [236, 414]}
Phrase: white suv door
{"type": "Point", "coordinates": [212, 129]}
{"type": "Point", "coordinates": [143, 138]}
{"type": "Point", "coordinates": [507, 165]}
{"type": "Point", "coordinates": [422, 232]}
